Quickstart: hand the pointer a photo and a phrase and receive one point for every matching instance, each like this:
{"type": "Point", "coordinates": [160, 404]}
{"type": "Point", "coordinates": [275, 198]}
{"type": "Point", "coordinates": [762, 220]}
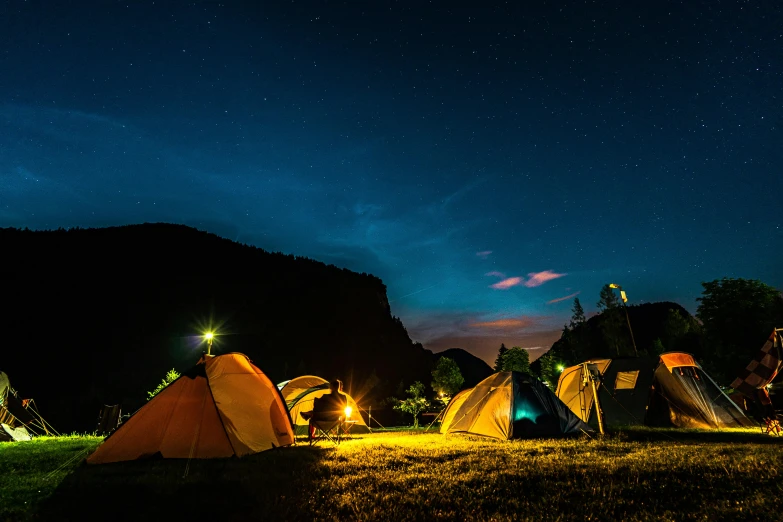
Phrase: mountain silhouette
{"type": "Point", "coordinates": [98, 316]}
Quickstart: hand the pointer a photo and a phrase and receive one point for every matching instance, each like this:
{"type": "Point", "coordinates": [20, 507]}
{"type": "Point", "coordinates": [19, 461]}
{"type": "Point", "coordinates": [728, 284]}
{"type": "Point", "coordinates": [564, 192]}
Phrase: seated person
{"type": "Point", "coordinates": [328, 407]}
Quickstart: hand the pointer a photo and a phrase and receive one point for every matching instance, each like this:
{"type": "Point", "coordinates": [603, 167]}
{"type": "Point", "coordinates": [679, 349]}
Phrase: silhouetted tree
{"type": "Point", "coordinates": [550, 368]}
{"type": "Point", "coordinates": [499, 361]}
{"type": "Point", "coordinates": [516, 360]}
{"type": "Point", "coordinates": [675, 328]}
{"type": "Point", "coordinates": [737, 316]}
{"type": "Point", "coordinates": [657, 347]}
{"type": "Point", "coordinates": [608, 299]}
{"type": "Point", "coordinates": [578, 316]}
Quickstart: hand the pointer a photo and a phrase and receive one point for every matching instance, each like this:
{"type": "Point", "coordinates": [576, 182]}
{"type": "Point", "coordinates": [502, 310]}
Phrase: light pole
{"type": "Point", "coordinates": [625, 299]}
{"type": "Point", "coordinates": [209, 336]}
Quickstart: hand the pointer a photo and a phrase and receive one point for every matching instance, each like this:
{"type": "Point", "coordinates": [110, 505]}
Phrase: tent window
{"type": "Point", "coordinates": [626, 380]}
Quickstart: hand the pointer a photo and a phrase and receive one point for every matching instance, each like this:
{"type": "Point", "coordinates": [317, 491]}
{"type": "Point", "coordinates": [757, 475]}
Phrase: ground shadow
{"type": "Point", "coordinates": [272, 485]}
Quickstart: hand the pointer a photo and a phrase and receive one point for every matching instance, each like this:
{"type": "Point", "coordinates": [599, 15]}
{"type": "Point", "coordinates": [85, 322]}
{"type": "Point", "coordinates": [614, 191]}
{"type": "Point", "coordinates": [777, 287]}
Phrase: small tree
{"type": "Point", "coordinates": [171, 376]}
{"type": "Point", "coordinates": [516, 360]}
{"type": "Point", "coordinates": [446, 376]}
{"type": "Point", "coordinates": [579, 314]}
{"type": "Point", "coordinates": [499, 360]}
{"type": "Point", "coordinates": [414, 404]}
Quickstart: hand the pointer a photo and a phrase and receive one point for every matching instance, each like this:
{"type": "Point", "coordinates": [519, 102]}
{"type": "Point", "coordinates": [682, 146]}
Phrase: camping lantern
{"type": "Point", "coordinates": [348, 411]}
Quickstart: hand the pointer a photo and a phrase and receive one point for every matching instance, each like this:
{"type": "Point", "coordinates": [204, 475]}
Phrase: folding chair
{"type": "Point", "coordinates": [772, 425]}
{"type": "Point", "coordinates": [326, 428]}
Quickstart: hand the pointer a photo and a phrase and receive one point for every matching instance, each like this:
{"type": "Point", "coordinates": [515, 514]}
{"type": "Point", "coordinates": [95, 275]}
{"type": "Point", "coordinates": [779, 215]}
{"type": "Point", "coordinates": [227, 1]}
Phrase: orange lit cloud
{"type": "Point", "coordinates": [539, 278]}
{"type": "Point", "coordinates": [523, 322]}
{"type": "Point", "coordinates": [484, 253]}
{"type": "Point", "coordinates": [563, 298]}
{"type": "Point", "coordinates": [495, 273]}
{"type": "Point", "coordinates": [507, 283]}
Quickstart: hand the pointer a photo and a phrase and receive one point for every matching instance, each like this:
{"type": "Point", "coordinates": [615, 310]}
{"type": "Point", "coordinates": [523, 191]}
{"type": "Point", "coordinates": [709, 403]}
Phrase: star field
{"type": "Point", "coordinates": [489, 164]}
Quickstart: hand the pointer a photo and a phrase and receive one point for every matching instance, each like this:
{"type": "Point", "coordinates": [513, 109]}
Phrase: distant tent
{"type": "Point", "coordinates": [223, 407]}
{"type": "Point", "coordinates": [299, 394]}
{"type": "Point", "coordinates": [668, 390]}
{"type": "Point", "coordinates": [18, 417]}
{"type": "Point", "coordinates": [509, 405]}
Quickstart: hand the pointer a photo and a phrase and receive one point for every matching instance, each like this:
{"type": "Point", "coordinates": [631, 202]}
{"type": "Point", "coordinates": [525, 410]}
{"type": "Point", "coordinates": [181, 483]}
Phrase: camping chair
{"type": "Point", "coordinates": [109, 419]}
{"type": "Point", "coordinates": [325, 424]}
{"type": "Point", "coordinates": [326, 429]}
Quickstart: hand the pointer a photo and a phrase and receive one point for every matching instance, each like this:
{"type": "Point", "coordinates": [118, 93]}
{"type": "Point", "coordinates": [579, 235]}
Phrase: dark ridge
{"type": "Point", "coordinates": [98, 316]}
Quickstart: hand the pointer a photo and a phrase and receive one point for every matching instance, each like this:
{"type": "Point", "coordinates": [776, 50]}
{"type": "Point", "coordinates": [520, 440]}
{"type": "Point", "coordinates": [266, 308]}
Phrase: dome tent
{"type": "Point", "coordinates": [509, 405]}
{"type": "Point", "coordinates": [299, 395]}
{"type": "Point", "coordinates": [667, 390]}
{"type": "Point", "coordinates": [223, 407]}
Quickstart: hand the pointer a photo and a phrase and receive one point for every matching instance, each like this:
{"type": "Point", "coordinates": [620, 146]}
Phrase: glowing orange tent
{"type": "Point", "coordinates": [224, 406]}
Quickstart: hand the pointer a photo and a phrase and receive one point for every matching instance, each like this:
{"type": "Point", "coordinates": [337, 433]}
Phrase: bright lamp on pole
{"type": "Point", "coordinates": [208, 337]}
{"type": "Point", "coordinates": [625, 300]}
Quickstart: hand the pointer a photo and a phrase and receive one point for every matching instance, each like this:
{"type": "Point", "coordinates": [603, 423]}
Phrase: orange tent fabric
{"type": "Point", "coordinates": [225, 406]}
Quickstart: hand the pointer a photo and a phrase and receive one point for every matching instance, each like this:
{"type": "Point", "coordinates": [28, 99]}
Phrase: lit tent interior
{"type": "Point", "coordinates": [299, 395]}
{"type": "Point", "coordinates": [509, 405]}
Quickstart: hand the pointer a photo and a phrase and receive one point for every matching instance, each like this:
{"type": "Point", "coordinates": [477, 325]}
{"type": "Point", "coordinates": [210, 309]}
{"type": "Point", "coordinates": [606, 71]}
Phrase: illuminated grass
{"type": "Point", "coordinates": [636, 475]}
{"type": "Point", "coordinates": [31, 471]}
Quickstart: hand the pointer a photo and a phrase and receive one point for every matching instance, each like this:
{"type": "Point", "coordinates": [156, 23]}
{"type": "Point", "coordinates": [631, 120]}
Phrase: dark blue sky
{"type": "Point", "coordinates": [547, 147]}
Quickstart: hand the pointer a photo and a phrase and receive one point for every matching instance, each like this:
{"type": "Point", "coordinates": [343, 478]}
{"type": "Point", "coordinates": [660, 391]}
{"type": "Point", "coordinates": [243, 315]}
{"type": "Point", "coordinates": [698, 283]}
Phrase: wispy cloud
{"type": "Point", "coordinates": [523, 322]}
{"type": "Point", "coordinates": [507, 283]}
{"type": "Point", "coordinates": [484, 254]}
{"type": "Point", "coordinates": [539, 278]}
{"type": "Point", "coordinates": [495, 273]}
{"type": "Point", "coordinates": [563, 298]}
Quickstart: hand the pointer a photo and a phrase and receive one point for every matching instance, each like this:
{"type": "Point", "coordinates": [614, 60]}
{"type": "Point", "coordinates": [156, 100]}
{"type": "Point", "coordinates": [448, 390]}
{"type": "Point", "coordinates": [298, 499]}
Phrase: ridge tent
{"type": "Point", "coordinates": [667, 390]}
{"type": "Point", "coordinates": [222, 407]}
{"type": "Point", "coordinates": [510, 405]}
{"type": "Point", "coordinates": [299, 395]}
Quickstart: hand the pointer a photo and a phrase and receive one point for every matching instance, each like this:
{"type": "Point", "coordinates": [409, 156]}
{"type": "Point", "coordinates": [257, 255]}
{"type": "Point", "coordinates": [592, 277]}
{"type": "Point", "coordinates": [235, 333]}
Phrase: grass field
{"type": "Point", "coordinates": [639, 474]}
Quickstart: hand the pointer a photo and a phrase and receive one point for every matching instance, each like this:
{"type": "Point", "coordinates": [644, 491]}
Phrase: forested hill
{"type": "Point", "coordinates": [98, 316]}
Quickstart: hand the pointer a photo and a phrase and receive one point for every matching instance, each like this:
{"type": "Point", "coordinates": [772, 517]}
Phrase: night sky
{"type": "Point", "coordinates": [488, 164]}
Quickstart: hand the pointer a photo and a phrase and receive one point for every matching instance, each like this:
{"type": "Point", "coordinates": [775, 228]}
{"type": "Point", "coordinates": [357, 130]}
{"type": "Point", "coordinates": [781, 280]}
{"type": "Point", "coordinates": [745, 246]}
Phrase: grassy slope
{"type": "Point", "coordinates": [637, 475]}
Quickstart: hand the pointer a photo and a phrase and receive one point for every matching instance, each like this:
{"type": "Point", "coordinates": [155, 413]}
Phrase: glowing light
{"type": "Point", "coordinates": [208, 336]}
{"type": "Point", "coordinates": [560, 368]}
{"type": "Point", "coordinates": [348, 411]}
{"type": "Point", "coordinates": [613, 285]}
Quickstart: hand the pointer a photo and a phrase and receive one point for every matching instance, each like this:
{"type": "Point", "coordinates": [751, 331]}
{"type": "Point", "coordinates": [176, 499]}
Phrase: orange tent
{"type": "Point", "coordinates": [224, 406]}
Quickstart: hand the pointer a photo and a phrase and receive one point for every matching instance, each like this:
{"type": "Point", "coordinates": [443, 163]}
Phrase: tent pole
{"type": "Point", "coordinates": [599, 414]}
